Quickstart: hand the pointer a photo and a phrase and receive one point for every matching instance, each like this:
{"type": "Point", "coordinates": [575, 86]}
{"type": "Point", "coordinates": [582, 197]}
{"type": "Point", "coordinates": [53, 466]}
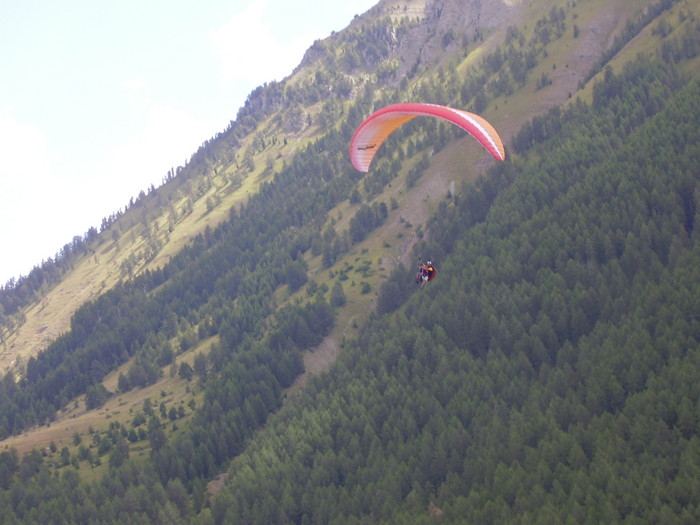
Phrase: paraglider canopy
{"type": "Point", "coordinates": [377, 127]}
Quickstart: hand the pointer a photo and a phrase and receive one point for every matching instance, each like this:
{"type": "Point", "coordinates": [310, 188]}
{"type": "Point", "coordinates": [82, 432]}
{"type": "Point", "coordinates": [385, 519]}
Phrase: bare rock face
{"type": "Point", "coordinates": [472, 14]}
{"type": "Point", "coordinates": [439, 30]}
{"type": "Point", "coordinates": [448, 25]}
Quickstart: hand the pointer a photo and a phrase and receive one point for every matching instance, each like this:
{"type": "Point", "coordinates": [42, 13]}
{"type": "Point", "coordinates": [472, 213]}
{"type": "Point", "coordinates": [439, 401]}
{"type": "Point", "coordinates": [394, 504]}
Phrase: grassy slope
{"type": "Point", "coordinates": [598, 21]}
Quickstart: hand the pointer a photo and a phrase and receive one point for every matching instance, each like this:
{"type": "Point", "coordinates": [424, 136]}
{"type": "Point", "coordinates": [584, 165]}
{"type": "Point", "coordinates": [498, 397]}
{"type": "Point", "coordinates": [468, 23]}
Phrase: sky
{"type": "Point", "coordinates": [100, 98]}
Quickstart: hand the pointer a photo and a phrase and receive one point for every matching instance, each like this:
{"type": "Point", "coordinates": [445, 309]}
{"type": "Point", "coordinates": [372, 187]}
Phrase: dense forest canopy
{"type": "Point", "coordinates": [549, 374]}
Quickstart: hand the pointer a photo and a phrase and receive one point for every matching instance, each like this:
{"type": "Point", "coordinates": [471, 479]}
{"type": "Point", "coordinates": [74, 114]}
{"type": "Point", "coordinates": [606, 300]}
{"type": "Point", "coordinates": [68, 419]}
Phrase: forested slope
{"type": "Point", "coordinates": [550, 373]}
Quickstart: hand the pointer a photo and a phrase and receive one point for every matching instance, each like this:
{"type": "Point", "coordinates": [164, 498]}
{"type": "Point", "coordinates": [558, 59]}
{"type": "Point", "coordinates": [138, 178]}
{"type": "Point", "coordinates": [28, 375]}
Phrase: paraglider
{"type": "Point", "coordinates": [426, 272]}
{"type": "Point", "coordinates": [377, 127]}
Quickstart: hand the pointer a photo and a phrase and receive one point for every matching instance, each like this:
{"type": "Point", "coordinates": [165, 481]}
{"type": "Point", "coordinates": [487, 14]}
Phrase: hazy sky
{"type": "Point", "coordinates": [99, 99]}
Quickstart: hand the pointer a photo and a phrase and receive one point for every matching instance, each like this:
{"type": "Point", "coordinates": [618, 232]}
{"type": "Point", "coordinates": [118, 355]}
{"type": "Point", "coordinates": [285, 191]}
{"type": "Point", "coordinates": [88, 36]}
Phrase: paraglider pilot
{"type": "Point", "coordinates": [426, 272]}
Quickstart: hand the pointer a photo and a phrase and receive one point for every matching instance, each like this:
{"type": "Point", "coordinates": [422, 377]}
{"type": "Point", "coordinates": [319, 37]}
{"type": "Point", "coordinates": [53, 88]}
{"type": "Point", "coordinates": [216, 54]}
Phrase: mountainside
{"type": "Point", "coordinates": [392, 46]}
{"type": "Point", "coordinates": [548, 373]}
{"type": "Point", "coordinates": [538, 380]}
